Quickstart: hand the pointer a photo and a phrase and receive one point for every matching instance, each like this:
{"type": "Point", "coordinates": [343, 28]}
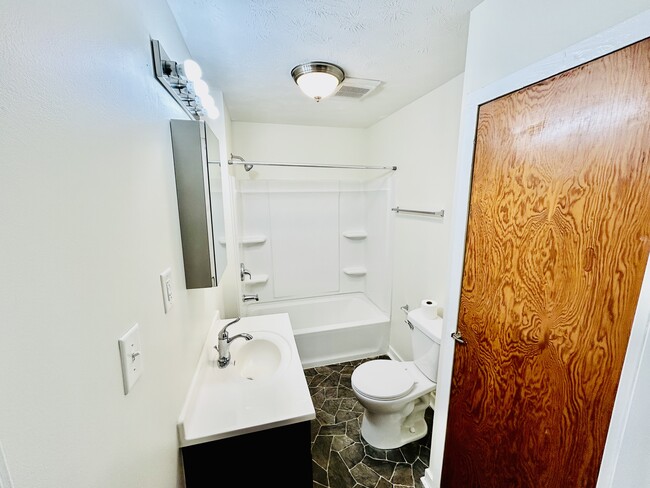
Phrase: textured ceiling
{"type": "Point", "coordinates": [248, 48]}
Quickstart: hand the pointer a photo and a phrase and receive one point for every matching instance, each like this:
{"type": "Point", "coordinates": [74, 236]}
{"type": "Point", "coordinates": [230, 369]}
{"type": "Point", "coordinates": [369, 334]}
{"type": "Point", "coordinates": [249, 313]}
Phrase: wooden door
{"type": "Point", "coordinates": [557, 241]}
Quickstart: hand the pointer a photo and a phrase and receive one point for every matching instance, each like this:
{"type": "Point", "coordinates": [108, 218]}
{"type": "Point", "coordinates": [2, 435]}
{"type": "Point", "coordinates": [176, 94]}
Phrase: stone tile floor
{"type": "Point", "coordinates": [340, 456]}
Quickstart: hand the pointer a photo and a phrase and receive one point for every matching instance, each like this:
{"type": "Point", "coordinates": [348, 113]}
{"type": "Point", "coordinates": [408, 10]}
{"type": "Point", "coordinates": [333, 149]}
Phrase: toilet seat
{"type": "Point", "coordinates": [382, 379]}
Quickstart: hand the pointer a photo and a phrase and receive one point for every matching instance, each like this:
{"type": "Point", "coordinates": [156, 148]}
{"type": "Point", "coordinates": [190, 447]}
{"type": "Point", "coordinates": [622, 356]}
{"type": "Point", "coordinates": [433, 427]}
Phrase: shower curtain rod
{"type": "Point", "coordinates": [248, 165]}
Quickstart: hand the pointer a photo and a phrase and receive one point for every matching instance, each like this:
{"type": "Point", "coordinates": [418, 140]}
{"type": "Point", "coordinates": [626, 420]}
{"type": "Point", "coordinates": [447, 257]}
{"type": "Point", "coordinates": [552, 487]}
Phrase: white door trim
{"type": "Point", "coordinates": [638, 348]}
{"type": "Point", "coordinates": [635, 29]}
{"type": "Point", "coordinates": [5, 478]}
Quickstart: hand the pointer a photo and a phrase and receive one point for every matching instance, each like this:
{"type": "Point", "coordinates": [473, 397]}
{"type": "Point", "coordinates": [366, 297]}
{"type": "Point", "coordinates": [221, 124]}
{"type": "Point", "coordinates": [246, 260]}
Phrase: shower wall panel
{"type": "Point", "coordinates": [254, 226]}
{"type": "Point", "coordinates": [304, 219]}
{"type": "Point", "coordinates": [352, 220]}
{"type": "Point", "coordinates": [378, 257]}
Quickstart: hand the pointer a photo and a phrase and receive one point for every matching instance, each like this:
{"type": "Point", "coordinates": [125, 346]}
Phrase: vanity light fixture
{"type": "Point", "coordinates": [184, 83]}
{"type": "Point", "coordinates": [318, 79]}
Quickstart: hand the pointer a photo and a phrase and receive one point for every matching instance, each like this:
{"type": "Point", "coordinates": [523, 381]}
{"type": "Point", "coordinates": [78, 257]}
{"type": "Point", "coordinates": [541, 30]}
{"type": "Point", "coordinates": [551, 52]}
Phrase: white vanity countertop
{"type": "Point", "coordinates": [223, 403]}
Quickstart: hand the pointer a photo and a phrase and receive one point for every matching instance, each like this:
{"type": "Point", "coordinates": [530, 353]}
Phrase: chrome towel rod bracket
{"type": "Point", "coordinates": [438, 213]}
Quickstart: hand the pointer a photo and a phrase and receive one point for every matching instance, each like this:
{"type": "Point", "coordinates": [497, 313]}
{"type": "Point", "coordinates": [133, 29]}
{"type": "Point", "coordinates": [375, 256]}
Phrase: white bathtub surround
{"type": "Point", "coordinates": [333, 329]}
{"type": "Point", "coordinates": [225, 402]}
{"type": "Point", "coordinates": [315, 238]}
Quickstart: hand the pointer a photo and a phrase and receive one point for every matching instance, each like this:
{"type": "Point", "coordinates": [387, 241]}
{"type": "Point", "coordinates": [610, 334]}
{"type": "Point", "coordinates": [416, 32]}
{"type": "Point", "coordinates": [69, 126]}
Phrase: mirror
{"type": "Point", "coordinates": [200, 202]}
{"type": "Point", "coordinates": [216, 203]}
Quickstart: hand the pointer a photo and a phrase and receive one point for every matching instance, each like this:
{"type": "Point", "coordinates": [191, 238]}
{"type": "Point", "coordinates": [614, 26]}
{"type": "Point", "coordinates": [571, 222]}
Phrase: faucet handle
{"type": "Point", "coordinates": [243, 272]}
{"type": "Point", "coordinates": [223, 333]}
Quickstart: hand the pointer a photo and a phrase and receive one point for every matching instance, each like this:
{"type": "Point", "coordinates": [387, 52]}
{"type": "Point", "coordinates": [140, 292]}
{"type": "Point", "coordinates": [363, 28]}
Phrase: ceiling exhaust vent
{"type": "Point", "coordinates": [355, 88]}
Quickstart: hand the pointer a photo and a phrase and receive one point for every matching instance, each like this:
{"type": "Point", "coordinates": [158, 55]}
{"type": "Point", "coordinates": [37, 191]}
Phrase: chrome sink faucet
{"type": "Point", "coordinates": [223, 346]}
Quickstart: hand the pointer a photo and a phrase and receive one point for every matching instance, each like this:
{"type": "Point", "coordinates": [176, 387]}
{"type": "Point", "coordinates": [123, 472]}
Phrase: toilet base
{"type": "Point", "coordinates": [393, 430]}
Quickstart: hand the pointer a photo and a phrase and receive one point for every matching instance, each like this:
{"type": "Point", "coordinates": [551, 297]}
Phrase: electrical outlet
{"type": "Point", "coordinates": [167, 288]}
{"type": "Point", "coordinates": [131, 357]}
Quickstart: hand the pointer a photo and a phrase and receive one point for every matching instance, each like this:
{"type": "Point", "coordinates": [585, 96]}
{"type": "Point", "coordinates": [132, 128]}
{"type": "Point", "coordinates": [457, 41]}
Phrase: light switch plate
{"type": "Point", "coordinates": [167, 288]}
{"type": "Point", "coordinates": [131, 357]}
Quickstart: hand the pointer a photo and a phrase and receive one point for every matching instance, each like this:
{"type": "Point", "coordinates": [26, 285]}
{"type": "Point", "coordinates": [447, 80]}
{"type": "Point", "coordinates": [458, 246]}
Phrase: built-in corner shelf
{"type": "Point", "coordinates": [355, 235]}
{"type": "Point", "coordinates": [252, 240]}
{"type": "Point", "coordinates": [257, 279]}
{"type": "Point", "coordinates": [355, 271]}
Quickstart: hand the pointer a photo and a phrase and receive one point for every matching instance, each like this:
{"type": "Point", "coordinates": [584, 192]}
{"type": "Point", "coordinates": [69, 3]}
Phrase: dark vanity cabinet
{"type": "Point", "coordinates": [280, 456]}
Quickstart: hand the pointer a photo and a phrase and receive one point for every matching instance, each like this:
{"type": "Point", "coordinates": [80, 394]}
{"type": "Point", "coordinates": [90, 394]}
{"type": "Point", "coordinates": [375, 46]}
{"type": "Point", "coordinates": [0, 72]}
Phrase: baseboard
{"type": "Point", "coordinates": [393, 355]}
{"type": "Point", "coordinates": [426, 480]}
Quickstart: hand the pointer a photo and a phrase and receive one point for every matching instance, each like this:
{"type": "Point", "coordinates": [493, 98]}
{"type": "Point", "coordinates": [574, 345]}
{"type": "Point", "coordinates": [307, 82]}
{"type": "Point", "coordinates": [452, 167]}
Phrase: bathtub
{"type": "Point", "coordinates": [332, 329]}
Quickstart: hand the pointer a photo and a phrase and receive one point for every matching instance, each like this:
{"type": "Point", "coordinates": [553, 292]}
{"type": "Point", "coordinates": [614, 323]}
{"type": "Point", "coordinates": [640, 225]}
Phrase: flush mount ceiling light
{"type": "Point", "coordinates": [317, 79]}
{"type": "Point", "coordinates": [184, 83]}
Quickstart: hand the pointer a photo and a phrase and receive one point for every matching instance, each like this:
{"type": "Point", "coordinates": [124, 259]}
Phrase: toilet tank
{"type": "Point", "coordinates": [425, 339]}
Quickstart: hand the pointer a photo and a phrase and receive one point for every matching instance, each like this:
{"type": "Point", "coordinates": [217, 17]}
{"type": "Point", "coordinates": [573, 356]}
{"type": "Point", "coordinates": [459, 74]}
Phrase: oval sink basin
{"type": "Point", "coordinates": [260, 358]}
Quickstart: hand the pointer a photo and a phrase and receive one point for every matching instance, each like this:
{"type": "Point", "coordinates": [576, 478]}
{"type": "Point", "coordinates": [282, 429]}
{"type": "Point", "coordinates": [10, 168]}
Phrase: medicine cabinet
{"type": "Point", "coordinates": [200, 202]}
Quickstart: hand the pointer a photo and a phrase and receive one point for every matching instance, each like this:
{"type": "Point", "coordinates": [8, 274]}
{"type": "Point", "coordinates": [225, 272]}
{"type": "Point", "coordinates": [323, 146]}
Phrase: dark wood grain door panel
{"type": "Point", "coordinates": [557, 242]}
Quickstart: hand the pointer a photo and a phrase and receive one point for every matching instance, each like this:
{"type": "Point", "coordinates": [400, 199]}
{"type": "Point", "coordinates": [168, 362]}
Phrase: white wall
{"type": "Point", "coordinates": [421, 140]}
{"type": "Point", "coordinates": [508, 35]}
{"type": "Point", "coordinates": [89, 220]}
{"type": "Point", "coordinates": [298, 144]}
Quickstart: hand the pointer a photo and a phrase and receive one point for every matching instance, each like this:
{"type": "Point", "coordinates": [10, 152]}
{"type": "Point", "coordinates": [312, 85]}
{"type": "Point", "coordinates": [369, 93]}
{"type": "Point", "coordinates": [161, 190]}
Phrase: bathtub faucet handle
{"type": "Point", "coordinates": [243, 272]}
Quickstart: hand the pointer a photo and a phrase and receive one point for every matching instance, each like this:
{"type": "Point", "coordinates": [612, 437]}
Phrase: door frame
{"type": "Point", "coordinates": [628, 32]}
{"type": "Point", "coordinates": [5, 478]}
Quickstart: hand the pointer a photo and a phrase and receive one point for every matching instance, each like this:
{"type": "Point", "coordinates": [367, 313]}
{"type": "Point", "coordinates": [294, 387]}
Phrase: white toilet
{"type": "Point", "coordinates": [396, 394]}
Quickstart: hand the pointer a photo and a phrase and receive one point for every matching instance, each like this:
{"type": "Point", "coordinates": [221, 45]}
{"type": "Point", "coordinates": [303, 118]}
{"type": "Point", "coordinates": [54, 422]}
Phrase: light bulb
{"type": "Point", "coordinates": [210, 106]}
{"type": "Point", "coordinates": [201, 88]}
{"type": "Point", "coordinates": [318, 85]}
{"type": "Point", "coordinates": [212, 111]}
{"type": "Point", "coordinates": [207, 100]}
{"type": "Point", "coordinates": [192, 70]}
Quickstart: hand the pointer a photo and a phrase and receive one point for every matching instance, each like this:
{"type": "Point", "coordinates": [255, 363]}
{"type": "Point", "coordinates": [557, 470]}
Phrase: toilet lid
{"type": "Point", "coordinates": [382, 379]}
